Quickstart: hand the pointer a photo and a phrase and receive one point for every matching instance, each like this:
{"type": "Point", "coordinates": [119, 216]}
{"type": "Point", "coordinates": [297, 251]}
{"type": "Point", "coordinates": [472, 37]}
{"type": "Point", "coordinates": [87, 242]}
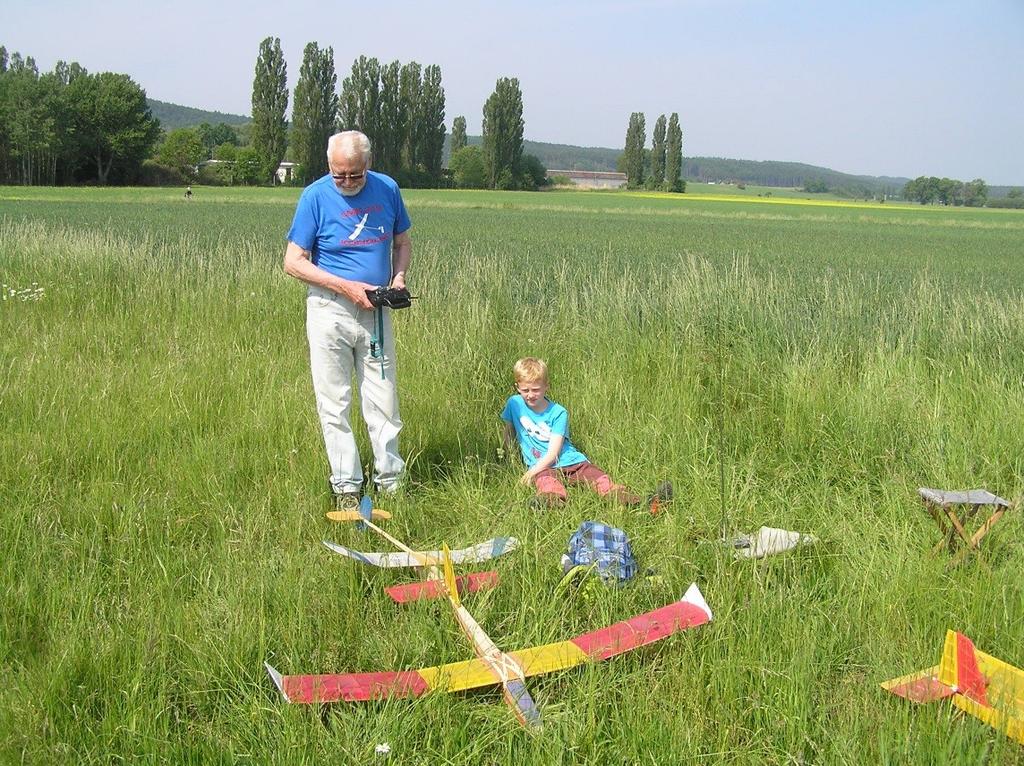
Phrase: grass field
{"type": "Point", "coordinates": [802, 366]}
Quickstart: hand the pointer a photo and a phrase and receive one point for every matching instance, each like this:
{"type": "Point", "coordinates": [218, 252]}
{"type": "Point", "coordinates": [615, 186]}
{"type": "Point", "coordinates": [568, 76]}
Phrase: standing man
{"type": "Point", "coordinates": [350, 234]}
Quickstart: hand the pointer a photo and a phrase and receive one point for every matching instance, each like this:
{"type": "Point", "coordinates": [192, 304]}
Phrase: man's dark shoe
{"type": "Point", "coordinates": [345, 501]}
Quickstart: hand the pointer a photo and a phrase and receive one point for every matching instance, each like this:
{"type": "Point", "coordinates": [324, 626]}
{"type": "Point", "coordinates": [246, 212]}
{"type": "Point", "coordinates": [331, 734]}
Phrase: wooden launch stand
{"type": "Point", "coordinates": [956, 512]}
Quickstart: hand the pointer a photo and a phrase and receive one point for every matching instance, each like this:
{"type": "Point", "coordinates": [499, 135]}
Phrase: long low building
{"type": "Point", "coordinates": [591, 179]}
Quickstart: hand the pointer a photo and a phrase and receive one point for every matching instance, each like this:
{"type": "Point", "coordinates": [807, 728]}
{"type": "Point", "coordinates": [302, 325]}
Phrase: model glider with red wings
{"type": "Point", "coordinates": [977, 683]}
{"type": "Point", "coordinates": [689, 612]}
{"type": "Point", "coordinates": [491, 665]}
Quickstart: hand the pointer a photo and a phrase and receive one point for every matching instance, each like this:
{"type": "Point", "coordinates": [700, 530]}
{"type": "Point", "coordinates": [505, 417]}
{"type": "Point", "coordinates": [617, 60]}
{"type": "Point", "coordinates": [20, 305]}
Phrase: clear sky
{"type": "Point", "coordinates": [901, 88]}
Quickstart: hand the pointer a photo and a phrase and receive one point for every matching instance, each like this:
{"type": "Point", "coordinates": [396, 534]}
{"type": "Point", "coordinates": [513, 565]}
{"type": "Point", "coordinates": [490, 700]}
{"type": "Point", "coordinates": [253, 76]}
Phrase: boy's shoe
{"type": "Point", "coordinates": [663, 491]}
{"type": "Point", "coordinates": [662, 494]}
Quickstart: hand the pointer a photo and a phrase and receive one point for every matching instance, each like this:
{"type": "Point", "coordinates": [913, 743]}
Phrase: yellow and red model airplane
{"type": "Point", "coordinates": [977, 683]}
{"type": "Point", "coordinates": [491, 665]}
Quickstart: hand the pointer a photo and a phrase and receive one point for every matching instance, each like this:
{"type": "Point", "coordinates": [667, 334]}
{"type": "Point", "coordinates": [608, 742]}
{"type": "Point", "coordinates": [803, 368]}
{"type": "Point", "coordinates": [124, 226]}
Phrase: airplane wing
{"type": "Point", "coordinates": [689, 612]}
{"type": "Point", "coordinates": [430, 589]}
{"type": "Point", "coordinates": [489, 549]}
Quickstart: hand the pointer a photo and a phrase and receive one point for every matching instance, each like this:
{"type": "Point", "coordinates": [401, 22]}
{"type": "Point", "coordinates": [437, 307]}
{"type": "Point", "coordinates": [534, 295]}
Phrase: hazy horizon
{"type": "Point", "coordinates": [907, 90]}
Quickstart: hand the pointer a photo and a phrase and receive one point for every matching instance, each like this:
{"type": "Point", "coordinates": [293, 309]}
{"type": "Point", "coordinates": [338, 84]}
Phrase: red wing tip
{"type": "Point", "coordinates": [277, 679]}
{"type": "Point", "coordinates": [695, 597]}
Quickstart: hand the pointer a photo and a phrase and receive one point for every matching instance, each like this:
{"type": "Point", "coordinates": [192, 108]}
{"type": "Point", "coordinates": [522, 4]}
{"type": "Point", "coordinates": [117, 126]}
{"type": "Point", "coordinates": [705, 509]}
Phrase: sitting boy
{"type": "Point", "coordinates": [542, 429]}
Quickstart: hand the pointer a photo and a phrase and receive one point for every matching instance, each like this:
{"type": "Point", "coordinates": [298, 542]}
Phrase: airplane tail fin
{"type": "Point", "coordinates": [956, 673]}
{"type": "Point", "coordinates": [959, 667]}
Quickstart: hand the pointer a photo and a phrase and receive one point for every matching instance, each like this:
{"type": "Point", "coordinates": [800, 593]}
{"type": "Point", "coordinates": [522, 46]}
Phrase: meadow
{"type": "Point", "coordinates": [794, 365]}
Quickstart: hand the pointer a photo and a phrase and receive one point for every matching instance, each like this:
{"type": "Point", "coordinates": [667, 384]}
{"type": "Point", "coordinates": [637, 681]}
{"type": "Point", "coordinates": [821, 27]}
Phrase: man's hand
{"type": "Point", "coordinates": [398, 280]}
{"type": "Point", "coordinates": [298, 263]}
{"type": "Point", "coordinates": [356, 292]}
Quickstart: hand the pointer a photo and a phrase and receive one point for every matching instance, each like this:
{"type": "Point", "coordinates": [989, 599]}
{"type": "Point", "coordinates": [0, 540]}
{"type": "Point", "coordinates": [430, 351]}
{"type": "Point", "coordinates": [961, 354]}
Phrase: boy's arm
{"type": "Point", "coordinates": [508, 440]}
{"type": "Point", "coordinates": [549, 459]}
{"type": "Point", "coordinates": [508, 435]}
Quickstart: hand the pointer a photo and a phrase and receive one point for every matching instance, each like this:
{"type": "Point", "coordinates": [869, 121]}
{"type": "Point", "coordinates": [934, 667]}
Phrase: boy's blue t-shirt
{"type": "Point", "coordinates": [533, 431]}
{"type": "Point", "coordinates": [350, 237]}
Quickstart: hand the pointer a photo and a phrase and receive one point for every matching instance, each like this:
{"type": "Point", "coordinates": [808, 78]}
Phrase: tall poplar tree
{"type": "Point", "coordinates": [391, 125]}
{"type": "Point", "coordinates": [458, 135]}
{"type": "Point", "coordinates": [674, 156]}
{"type": "Point", "coordinates": [315, 112]}
{"type": "Point", "coordinates": [269, 104]}
{"type": "Point", "coordinates": [656, 180]}
{"type": "Point", "coordinates": [503, 134]}
{"type": "Point", "coordinates": [410, 93]}
{"type": "Point", "coordinates": [633, 153]}
{"type": "Point", "coordinates": [431, 116]}
{"type": "Point", "coordinates": [360, 98]}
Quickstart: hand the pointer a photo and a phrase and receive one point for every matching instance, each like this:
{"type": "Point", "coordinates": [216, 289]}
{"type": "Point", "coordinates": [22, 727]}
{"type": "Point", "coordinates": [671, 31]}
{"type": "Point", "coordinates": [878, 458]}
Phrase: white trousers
{"type": "Point", "coordinates": [340, 336]}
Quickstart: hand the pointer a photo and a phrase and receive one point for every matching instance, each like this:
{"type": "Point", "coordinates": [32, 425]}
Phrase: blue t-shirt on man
{"type": "Point", "coordinates": [533, 431]}
{"type": "Point", "coordinates": [350, 237]}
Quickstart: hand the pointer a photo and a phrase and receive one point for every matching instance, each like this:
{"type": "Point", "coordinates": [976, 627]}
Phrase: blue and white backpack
{"type": "Point", "coordinates": [605, 548]}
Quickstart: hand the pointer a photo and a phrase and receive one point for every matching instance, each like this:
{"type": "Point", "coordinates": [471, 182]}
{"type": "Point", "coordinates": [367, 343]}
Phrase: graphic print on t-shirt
{"type": "Point", "coordinates": [540, 431]}
{"type": "Point", "coordinates": [363, 225]}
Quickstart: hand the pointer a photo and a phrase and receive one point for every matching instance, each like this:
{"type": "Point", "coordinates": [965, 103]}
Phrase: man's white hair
{"type": "Point", "coordinates": [349, 143]}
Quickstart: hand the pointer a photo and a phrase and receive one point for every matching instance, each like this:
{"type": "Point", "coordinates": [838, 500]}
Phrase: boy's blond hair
{"type": "Point", "coordinates": [530, 370]}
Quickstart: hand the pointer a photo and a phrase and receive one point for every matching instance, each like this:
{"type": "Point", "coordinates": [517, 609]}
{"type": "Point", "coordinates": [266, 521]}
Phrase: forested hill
{"type": "Point", "coordinates": [767, 173]}
{"type": "Point", "coordinates": [173, 116]}
{"type": "Point", "coordinates": [569, 157]}
{"type": "Point", "coordinates": [788, 174]}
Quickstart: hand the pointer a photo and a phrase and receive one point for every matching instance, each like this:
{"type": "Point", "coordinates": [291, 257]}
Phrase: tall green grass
{"type": "Point", "coordinates": [163, 480]}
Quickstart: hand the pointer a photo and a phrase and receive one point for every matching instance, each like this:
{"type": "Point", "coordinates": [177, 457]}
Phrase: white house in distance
{"type": "Point", "coordinates": [285, 171]}
{"type": "Point", "coordinates": [591, 179]}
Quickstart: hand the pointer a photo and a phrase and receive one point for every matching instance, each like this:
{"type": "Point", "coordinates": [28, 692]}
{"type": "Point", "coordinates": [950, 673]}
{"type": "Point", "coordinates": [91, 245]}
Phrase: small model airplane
{"type": "Point", "coordinates": [491, 666]}
{"type": "Point", "coordinates": [977, 683]}
{"type": "Point", "coordinates": [430, 588]}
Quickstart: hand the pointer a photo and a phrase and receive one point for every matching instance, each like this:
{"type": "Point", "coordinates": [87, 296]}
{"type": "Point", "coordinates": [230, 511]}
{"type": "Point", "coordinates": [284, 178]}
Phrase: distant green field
{"type": "Point", "coordinates": [784, 363]}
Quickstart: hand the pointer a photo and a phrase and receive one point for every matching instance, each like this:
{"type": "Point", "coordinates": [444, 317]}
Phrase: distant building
{"type": "Point", "coordinates": [591, 179]}
{"type": "Point", "coordinates": [285, 171]}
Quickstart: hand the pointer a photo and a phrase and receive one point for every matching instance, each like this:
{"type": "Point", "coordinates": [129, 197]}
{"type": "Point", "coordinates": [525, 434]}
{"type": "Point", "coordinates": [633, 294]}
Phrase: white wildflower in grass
{"type": "Point", "coordinates": [32, 293]}
{"type": "Point", "coordinates": [383, 749]}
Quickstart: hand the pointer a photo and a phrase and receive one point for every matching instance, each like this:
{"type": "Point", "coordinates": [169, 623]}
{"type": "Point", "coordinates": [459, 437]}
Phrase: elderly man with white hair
{"type": "Point", "coordinates": [350, 234]}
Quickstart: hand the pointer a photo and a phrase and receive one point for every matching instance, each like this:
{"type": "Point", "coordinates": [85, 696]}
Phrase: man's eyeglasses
{"type": "Point", "coordinates": [348, 176]}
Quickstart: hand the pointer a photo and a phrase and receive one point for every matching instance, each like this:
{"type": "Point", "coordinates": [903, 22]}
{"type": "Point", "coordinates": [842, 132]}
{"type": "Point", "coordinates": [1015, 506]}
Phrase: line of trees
{"type": "Point", "coordinates": [401, 109]}
{"type": "Point", "coordinates": [69, 126]}
{"type": "Point", "coordinates": [946, 191]}
{"type": "Point", "coordinates": [660, 167]}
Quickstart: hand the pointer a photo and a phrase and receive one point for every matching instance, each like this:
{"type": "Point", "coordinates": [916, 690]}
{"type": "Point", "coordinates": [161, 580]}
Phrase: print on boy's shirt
{"type": "Point", "coordinates": [539, 431]}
